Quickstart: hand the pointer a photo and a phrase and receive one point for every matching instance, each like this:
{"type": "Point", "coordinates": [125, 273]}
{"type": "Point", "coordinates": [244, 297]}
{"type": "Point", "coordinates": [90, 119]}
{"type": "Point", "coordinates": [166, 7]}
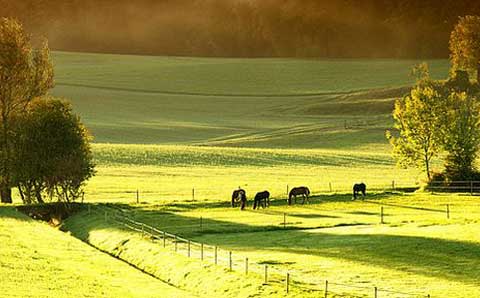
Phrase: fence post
{"type": "Point", "coordinates": [326, 288]}
{"type": "Point", "coordinates": [471, 188]}
{"type": "Point", "coordinates": [376, 292]}
{"type": "Point", "coordinates": [266, 274]}
{"type": "Point", "coordinates": [287, 190]}
{"type": "Point", "coordinates": [176, 243]}
{"type": "Point", "coordinates": [287, 282]}
{"type": "Point", "coordinates": [230, 260]}
{"type": "Point", "coordinates": [201, 222]}
{"type": "Point", "coordinates": [193, 194]}
{"type": "Point", "coordinates": [448, 211]}
{"type": "Point", "coordinates": [83, 196]}
{"type": "Point", "coordinates": [246, 266]}
{"type": "Point", "coordinates": [393, 184]}
{"type": "Point", "coordinates": [164, 239]}
{"type": "Point", "coordinates": [143, 230]}
{"type": "Point", "coordinates": [188, 243]}
{"type": "Point", "coordinates": [201, 251]}
{"type": "Point", "coordinates": [138, 197]}
{"type": "Point", "coordinates": [381, 216]}
{"type": "Point", "coordinates": [216, 255]}
{"type": "Point", "coordinates": [284, 220]}
{"type": "Point", "coordinates": [330, 186]}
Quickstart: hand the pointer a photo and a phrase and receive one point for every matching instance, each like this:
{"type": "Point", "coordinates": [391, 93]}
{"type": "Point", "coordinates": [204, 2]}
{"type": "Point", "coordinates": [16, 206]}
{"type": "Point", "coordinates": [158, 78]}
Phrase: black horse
{"type": "Point", "coordinates": [357, 188]}
{"type": "Point", "coordinates": [299, 191]}
{"type": "Point", "coordinates": [239, 195]}
{"type": "Point", "coordinates": [261, 198]}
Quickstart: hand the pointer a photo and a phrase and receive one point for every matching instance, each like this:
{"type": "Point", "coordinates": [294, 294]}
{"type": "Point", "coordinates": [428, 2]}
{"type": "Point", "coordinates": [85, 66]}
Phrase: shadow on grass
{"type": "Point", "coordinates": [449, 259]}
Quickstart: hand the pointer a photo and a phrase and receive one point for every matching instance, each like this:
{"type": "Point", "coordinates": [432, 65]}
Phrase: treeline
{"type": "Point", "coordinates": [246, 28]}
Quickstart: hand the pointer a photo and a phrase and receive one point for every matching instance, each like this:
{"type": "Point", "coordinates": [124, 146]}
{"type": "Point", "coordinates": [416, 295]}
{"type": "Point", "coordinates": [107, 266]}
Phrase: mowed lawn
{"type": "Point", "coordinates": [418, 250]}
{"type": "Point", "coordinates": [37, 260]}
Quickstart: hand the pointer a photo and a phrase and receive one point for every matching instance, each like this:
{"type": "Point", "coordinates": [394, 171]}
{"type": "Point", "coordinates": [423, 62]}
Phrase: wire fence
{"type": "Point", "coordinates": [326, 189]}
{"type": "Point", "coordinates": [290, 279]}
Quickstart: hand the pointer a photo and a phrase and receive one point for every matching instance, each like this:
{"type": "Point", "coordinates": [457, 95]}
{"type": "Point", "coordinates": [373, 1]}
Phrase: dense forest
{"type": "Point", "coordinates": [246, 28]}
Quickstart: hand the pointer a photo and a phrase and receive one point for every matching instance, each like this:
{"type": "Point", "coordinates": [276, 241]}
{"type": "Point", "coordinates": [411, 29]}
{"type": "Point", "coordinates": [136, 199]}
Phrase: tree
{"type": "Point", "coordinates": [53, 154]}
{"type": "Point", "coordinates": [417, 120]}
{"type": "Point", "coordinates": [465, 45]}
{"type": "Point", "coordinates": [25, 73]}
{"type": "Point", "coordinates": [461, 135]}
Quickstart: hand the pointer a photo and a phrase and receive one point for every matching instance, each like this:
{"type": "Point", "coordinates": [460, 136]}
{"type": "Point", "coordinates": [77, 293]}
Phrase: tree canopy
{"type": "Point", "coordinates": [465, 45]}
{"type": "Point", "coordinates": [246, 28]}
{"type": "Point", "coordinates": [53, 155]}
{"type": "Point", "coordinates": [25, 73]}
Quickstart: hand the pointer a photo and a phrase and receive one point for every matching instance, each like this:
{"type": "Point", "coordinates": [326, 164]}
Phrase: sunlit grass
{"type": "Point", "coordinates": [417, 249]}
{"type": "Point", "coordinates": [39, 261]}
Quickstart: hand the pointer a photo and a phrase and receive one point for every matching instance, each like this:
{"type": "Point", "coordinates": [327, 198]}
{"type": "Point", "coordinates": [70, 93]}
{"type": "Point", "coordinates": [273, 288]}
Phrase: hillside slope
{"type": "Point", "coordinates": [234, 102]}
{"type": "Point", "coordinates": [39, 261]}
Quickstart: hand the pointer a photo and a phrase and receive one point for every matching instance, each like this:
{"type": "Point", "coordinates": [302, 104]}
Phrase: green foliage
{"type": "Point", "coordinates": [25, 73]}
{"type": "Point", "coordinates": [465, 45]}
{"type": "Point", "coordinates": [461, 135]}
{"type": "Point", "coordinates": [53, 152]}
{"type": "Point", "coordinates": [417, 117]}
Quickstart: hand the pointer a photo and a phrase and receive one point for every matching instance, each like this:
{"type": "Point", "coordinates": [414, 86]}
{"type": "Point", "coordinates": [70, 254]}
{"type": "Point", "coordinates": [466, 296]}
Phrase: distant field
{"type": "Point", "coordinates": [39, 261]}
{"type": "Point", "coordinates": [337, 110]}
{"type": "Point", "coordinates": [234, 102]}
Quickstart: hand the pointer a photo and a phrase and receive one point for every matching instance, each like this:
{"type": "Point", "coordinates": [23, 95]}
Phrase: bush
{"type": "Point", "coordinates": [53, 157]}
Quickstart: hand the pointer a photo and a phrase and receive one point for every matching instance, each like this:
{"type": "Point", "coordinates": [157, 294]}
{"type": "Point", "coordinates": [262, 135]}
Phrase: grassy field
{"type": "Point", "coordinates": [39, 261]}
{"type": "Point", "coordinates": [185, 132]}
{"type": "Point", "coordinates": [235, 102]}
{"type": "Point", "coordinates": [417, 250]}
{"type": "Point", "coordinates": [267, 123]}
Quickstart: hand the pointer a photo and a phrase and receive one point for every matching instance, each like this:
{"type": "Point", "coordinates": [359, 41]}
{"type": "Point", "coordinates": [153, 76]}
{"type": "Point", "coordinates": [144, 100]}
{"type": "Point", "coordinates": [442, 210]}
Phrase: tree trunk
{"type": "Point", "coordinates": [478, 72]}
{"type": "Point", "coordinates": [6, 193]}
{"type": "Point", "coordinates": [20, 191]}
{"type": "Point", "coordinates": [38, 194]}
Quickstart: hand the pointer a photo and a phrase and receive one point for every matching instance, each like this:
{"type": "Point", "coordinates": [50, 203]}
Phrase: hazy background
{"type": "Point", "coordinates": [246, 28]}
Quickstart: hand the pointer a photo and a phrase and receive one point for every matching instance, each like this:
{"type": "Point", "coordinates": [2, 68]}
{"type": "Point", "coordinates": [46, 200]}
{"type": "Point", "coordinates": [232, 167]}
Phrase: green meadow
{"type": "Point", "coordinates": [185, 132]}
{"type": "Point", "coordinates": [39, 261]}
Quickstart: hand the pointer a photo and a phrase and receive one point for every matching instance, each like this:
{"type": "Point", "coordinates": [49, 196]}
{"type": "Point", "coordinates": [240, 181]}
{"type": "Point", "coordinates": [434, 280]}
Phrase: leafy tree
{"type": "Point", "coordinates": [53, 152]}
{"type": "Point", "coordinates": [417, 120]}
{"type": "Point", "coordinates": [461, 135]}
{"type": "Point", "coordinates": [465, 45]}
{"type": "Point", "coordinates": [25, 73]}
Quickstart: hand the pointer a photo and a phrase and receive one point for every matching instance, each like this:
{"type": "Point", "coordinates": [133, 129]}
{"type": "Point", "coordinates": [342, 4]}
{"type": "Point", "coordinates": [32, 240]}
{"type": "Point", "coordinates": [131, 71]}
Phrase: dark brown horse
{"type": "Point", "coordinates": [239, 196]}
{"type": "Point", "coordinates": [299, 191]}
{"type": "Point", "coordinates": [357, 188]}
{"type": "Point", "coordinates": [261, 198]}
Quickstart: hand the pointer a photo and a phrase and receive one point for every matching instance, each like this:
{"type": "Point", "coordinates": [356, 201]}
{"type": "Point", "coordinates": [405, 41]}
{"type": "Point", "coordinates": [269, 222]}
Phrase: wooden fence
{"type": "Point", "coordinates": [226, 258]}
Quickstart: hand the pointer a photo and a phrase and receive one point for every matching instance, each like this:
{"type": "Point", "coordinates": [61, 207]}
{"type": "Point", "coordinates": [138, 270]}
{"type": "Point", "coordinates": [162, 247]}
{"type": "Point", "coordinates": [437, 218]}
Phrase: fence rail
{"type": "Point", "coordinates": [226, 258]}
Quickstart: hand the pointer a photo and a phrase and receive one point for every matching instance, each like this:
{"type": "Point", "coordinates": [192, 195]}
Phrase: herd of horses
{"type": "Point", "coordinates": [239, 196]}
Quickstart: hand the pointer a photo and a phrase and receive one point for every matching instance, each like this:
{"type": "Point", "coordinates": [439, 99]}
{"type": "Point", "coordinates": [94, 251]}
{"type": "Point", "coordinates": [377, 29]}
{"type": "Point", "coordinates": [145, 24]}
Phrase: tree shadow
{"type": "Point", "coordinates": [448, 259]}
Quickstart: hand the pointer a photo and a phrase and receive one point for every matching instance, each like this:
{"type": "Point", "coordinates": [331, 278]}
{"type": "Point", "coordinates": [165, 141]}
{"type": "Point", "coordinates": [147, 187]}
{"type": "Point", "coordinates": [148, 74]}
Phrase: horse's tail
{"type": "Point", "coordinates": [307, 191]}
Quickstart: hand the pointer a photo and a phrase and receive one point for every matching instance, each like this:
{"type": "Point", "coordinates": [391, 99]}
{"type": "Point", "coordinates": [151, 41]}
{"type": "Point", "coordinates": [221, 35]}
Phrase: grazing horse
{"type": "Point", "coordinates": [239, 195]}
{"type": "Point", "coordinates": [261, 198]}
{"type": "Point", "coordinates": [299, 191]}
{"type": "Point", "coordinates": [357, 188]}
